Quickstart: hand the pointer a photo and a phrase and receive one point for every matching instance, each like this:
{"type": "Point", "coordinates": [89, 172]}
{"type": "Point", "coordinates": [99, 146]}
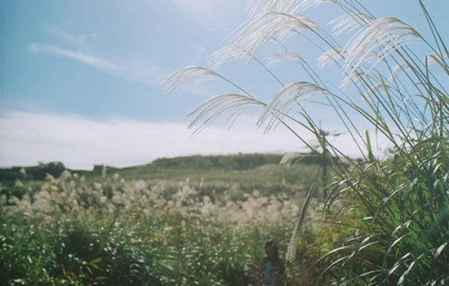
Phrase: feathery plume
{"type": "Point", "coordinates": [282, 103]}
{"type": "Point", "coordinates": [260, 7]}
{"type": "Point", "coordinates": [349, 23]}
{"type": "Point", "coordinates": [310, 4]}
{"type": "Point", "coordinates": [259, 31]}
{"type": "Point", "coordinates": [380, 37]}
{"type": "Point", "coordinates": [329, 56]}
{"type": "Point", "coordinates": [232, 103]}
{"type": "Point", "coordinates": [436, 59]}
{"type": "Point", "coordinates": [355, 76]}
{"type": "Point", "coordinates": [185, 75]}
{"type": "Point", "coordinates": [439, 60]}
{"type": "Point", "coordinates": [288, 56]}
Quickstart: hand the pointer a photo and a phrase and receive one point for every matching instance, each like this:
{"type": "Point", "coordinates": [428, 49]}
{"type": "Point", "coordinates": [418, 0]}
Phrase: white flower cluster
{"type": "Point", "coordinates": [71, 195]}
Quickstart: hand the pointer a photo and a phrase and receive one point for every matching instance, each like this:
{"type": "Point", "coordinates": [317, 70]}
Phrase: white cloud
{"type": "Point", "coordinates": [147, 75]}
{"type": "Point", "coordinates": [95, 62]}
{"type": "Point", "coordinates": [27, 138]}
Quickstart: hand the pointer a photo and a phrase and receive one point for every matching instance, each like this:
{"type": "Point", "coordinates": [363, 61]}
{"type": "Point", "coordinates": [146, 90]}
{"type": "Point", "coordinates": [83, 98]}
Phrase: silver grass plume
{"type": "Point", "coordinates": [381, 37]}
{"type": "Point", "coordinates": [185, 75]}
{"type": "Point", "coordinates": [260, 7]}
{"type": "Point", "coordinates": [258, 32]}
{"type": "Point", "coordinates": [436, 59]}
{"type": "Point", "coordinates": [282, 102]}
{"type": "Point", "coordinates": [439, 60]}
{"type": "Point", "coordinates": [355, 76]}
{"type": "Point", "coordinates": [287, 56]}
{"type": "Point", "coordinates": [349, 23]}
{"type": "Point", "coordinates": [329, 56]}
{"type": "Point", "coordinates": [227, 104]}
{"type": "Point", "coordinates": [310, 4]}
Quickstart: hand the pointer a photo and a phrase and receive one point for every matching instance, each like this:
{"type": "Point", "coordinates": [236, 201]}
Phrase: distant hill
{"type": "Point", "coordinates": [195, 162]}
{"type": "Point", "coordinates": [244, 169]}
{"type": "Point", "coordinates": [226, 162]}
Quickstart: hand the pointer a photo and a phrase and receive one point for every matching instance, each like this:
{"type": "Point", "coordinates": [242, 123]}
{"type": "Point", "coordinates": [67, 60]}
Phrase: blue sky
{"type": "Point", "coordinates": [103, 58]}
{"type": "Point", "coordinates": [96, 65]}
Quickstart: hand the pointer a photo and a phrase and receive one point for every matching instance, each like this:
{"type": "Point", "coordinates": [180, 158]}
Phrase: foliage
{"type": "Point", "coordinates": [384, 221]}
{"type": "Point", "coordinates": [226, 162]}
{"type": "Point", "coordinates": [392, 80]}
{"type": "Point", "coordinates": [110, 231]}
{"type": "Point", "coordinates": [9, 176]}
{"type": "Point", "coordinates": [404, 233]}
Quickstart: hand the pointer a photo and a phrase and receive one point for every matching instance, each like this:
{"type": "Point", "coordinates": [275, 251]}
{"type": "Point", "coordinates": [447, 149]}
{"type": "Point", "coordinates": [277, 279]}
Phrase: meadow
{"type": "Point", "coordinates": [380, 219]}
{"type": "Point", "coordinates": [204, 226]}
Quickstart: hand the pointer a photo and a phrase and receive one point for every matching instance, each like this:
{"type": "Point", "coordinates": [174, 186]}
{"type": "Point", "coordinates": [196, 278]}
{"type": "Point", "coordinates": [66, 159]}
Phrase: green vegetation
{"type": "Point", "coordinates": [391, 213]}
{"type": "Point", "coordinates": [246, 172]}
{"type": "Point", "coordinates": [108, 229]}
{"type": "Point", "coordinates": [245, 169]}
{"type": "Point", "coordinates": [375, 221]}
{"type": "Point", "coordinates": [9, 176]}
{"type": "Point", "coordinates": [260, 168]}
{"type": "Point", "coordinates": [403, 231]}
{"type": "Point", "coordinates": [77, 252]}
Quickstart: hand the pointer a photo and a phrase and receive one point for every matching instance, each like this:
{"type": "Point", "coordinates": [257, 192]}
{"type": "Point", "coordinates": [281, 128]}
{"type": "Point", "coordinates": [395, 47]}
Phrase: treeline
{"type": "Point", "coordinates": [39, 172]}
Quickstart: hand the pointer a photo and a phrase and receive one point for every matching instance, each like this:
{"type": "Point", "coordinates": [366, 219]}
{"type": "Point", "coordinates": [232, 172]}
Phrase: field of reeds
{"type": "Point", "coordinates": [380, 220]}
{"type": "Point", "coordinates": [111, 229]}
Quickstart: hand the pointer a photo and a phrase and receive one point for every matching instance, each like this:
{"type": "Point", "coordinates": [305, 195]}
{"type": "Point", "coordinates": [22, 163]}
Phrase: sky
{"type": "Point", "coordinates": [80, 80]}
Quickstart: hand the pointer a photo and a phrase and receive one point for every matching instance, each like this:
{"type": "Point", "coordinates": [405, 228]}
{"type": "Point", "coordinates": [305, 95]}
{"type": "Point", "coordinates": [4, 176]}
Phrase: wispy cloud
{"type": "Point", "coordinates": [27, 138]}
{"type": "Point", "coordinates": [147, 75]}
{"type": "Point", "coordinates": [96, 62]}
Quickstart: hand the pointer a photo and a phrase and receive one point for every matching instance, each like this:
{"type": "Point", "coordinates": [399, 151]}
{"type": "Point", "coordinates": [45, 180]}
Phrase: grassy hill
{"type": "Point", "coordinates": [237, 168]}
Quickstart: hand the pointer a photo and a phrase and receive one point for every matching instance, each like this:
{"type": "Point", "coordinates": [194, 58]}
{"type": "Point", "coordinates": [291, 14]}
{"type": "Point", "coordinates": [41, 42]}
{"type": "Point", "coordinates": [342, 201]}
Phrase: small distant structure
{"type": "Point", "coordinates": [103, 169]}
{"type": "Point", "coordinates": [99, 168]}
